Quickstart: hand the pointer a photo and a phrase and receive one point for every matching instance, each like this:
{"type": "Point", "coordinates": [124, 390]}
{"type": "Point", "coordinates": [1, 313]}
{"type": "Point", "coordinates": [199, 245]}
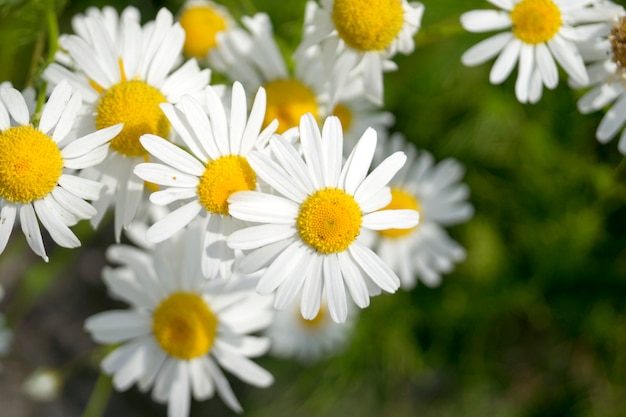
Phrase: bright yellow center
{"type": "Point", "coordinates": [201, 24]}
{"type": "Point", "coordinates": [222, 177]}
{"type": "Point", "coordinates": [400, 200]}
{"type": "Point", "coordinates": [618, 42]}
{"type": "Point", "coordinates": [287, 101]}
{"type": "Point", "coordinates": [535, 21]}
{"type": "Point", "coordinates": [345, 116]}
{"type": "Point", "coordinates": [30, 164]}
{"type": "Point", "coordinates": [136, 104]}
{"type": "Point", "coordinates": [329, 220]}
{"type": "Point", "coordinates": [368, 26]}
{"type": "Point", "coordinates": [184, 326]}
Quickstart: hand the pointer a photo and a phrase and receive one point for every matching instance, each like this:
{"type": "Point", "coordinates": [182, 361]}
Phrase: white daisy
{"type": "Point", "coordinates": [308, 340]}
{"type": "Point", "coordinates": [35, 183]}
{"type": "Point", "coordinates": [308, 241]}
{"type": "Point", "coordinates": [541, 31]}
{"type": "Point", "coordinates": [362, 36]}
{"type": "Point", "coordinates": [204, 177]}
{"type": "Point", "coordinates": [124, 71]}
{"type": "Point", "coordinates": [425, 251]}
{"type": "Point", "coordinates": [181, 329]}
{"type": "Point", "coordinates": [202, 21]}
{"type": "Point", "coordinates": [607, 75]}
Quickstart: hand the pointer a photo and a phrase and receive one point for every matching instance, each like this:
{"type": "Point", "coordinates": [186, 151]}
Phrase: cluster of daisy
{"type": "Point", "coordinates": [257, 215]}
{"type": "Point", "coordinates": [587, 38]}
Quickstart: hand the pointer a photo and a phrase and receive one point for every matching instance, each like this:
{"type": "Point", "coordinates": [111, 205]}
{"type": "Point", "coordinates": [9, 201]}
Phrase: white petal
{"type": "Point", "coordinates": [54, 107]}
{"type": "Point", "coordinates": [353, 278]}
{"type": "Point", "coordinates": [172, 155]}
{"type": "Point", "coordinates": [173, 222]}
{"type": "Point", "coordinates": [335, 291]}
{"type": "Point", "coordinates": [117, 326]}
{"type": "Point", "coordinates": [486, 49]}
{"type": "Point", "coordinates": [7, 220]}
{"type": "Point", "coordinates": [223, 387]}
{"type": "Point", "coordinates": [485, 20]}
{"type": "Point", "coordinates": [81, 187]}
{"type": "Point", "coordinates": [379, 177]}
{"type": "Point", "coordinates": [374, 267]}
{"type": "Point", "coordinates": [165, 175]}
{"type": "Point", "coordinates": [30, 227]}
{"type": "Point", "coordinates": [59, 232]}
{"type": "Point", "coordinates": [242, 367]}
{"type": "Point", "coordinates": [16, 105]}
{"type": "Point", "coordinates": [505, 62]}
{"type": "Point", "coordinates": [257, 236]}
{"type": "Point", "coordinates": [358, 162]}
{"type": "Point", "coordinates": [547, 66]}
{"type": "Point", "coordinates": [391, 219]}
{"type": "Point", "coordinates": [262, 208]}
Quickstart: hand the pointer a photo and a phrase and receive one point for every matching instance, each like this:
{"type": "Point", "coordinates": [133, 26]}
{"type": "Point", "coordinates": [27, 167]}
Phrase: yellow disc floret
{"type": "Point", "coordinates": [345, 116]}
{"type": "Point", "coordinates": [329, 220]}
{"type": "Point", "coordinates": [535, 21]}
{"type": "Point", "coordinates": [368, 26]}
{"type": "Point", "coordinates": [201, 24]}
{"type": "Point", "coordinates": [618, 42]}
{"type": "Point", "coordinates": [400, 200]}
{"type": "Point", "coordinates": [287, 101]}
{"type": "Point", "coordinates": [136, 104]}
{"type": "Point", "coordinates": [222, 177]}
{"type": "Point", "coordinates": [30, 164]}
{"type": "Point", "coordinates": [184, 325]}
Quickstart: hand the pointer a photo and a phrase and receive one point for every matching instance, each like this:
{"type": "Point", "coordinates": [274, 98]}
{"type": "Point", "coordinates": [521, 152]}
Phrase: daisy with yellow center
{"type": "Point", "coordinates": [202, 21]}
{"type": "Point", "coordinates": [606, 54]}
{"type": "Point", "coordinates": [34, 184]}
{"type": "Point", "coordinates": [181, 329]}
{"type": "Point", "coordinates": [309, 239]}
{"type": "Point", "coordinates": [204, 177]}
{"type": "Point", "coordinates": [362, 37]}
{"type": "Point", "coordinates": [308, 341]}
{"type": "Point", "coordinates": [424, 252]}
{"type": "Point", "coordinates": [125, 72]}
{"type": "Point", "coordinates": [253, 58]}
{"type": "Point", "coordinates": [542, 33]}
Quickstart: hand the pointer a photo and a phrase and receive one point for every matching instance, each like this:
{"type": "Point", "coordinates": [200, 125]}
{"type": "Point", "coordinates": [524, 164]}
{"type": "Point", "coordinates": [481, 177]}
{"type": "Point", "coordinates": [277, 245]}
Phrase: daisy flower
{"type": "Point", "coordinates": [353, 35]}
{"type": "Point", "coordinates": [202, 21]}
{"type": "Point", "coordinates": [308, 340]}
{"type": "Point", "coordinates": [425, 251]}
{"type": "Point", "coordinates": [607, 73]}
{"type": "Point", "coordinates": [181, 329]}
{"type": "Point", "coordinates": [35, 183]}
{"type": "Point", "coordinates": [124, 72]}
{"type": "Point", "coordinates": [541, 32]}
{"type": "Point", "coordinates": [308, 241]}
{"type": "Point", "coordinates": [204, 177]}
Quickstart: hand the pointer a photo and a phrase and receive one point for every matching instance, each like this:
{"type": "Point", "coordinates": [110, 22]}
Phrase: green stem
{"type": "Point", "coordinates": [99, 397]}
{"type": "Point", "coordinates": [53, 45]}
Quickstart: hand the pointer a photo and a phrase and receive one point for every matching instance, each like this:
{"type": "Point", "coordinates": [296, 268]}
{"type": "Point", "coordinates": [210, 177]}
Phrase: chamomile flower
{"type": "Point", "coordinates": [308, 340]}
{"type": "Point", "coordinates": [181, 329]}
{"type": "Point", "coordinates": [364, 37]}
{"type": "Point", "coordinates": [124, 72]}
{"type": "Point", "coordinates": [253, 58]}
{"type": "Point", "coordinates": [541, 32]}
{"type": "Point", "coordinates": [425, 251]}
{"type": "Point", "coordinates": [35, 184]}
{"type": "Point", "coordinates": [202, 21]}
{"type": "Point", "coordinates": [204, 177]}
{"type": "Point", "coordinates": [308, 241]}
{"type": "Point", "coordinates": [607, 73]}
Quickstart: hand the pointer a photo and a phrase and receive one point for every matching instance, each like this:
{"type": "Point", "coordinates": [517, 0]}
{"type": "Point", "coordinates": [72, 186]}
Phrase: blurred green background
{"type": "Point", "coordinates": [532, 324]}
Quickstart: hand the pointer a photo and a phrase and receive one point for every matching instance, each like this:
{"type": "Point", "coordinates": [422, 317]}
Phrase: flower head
{"type": "Point", "coordinates": [181, 329]}
{"type": "Point", "coordinates": [308, 241]}
{"type": "Point", "coordinates": [204, 178]}
{"type": "Point", "coordinates": [35, 183]}
{"type": "Point", "coordinates": [124, 72]}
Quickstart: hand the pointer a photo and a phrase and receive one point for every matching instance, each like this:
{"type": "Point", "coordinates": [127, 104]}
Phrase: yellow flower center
{"type": "Point", "coordinates": [184, 325]}
{"type": "Point", "coordinates": [201, 24]}
{"type": "Point", "coordinates": [535, 21]}
{"type": "Point", "coordinates": [30, 164]}
{"type": "Point", "coordinates": [136, 104]}
{"type": "Point", "coordinates": [345, 116]}
{"type": "Point", "coordinates": [287, 101]}
{"type": "Point", "coordinates": [368, 26]}
{"type": "Point", "coordinates": [618, 42]}
{"type": "Point", "coordinates": [329, 220]}
{"type": "Point", "coordinates": [222, 177]}
{"type": "Point", "coordinates": [400, 200]}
